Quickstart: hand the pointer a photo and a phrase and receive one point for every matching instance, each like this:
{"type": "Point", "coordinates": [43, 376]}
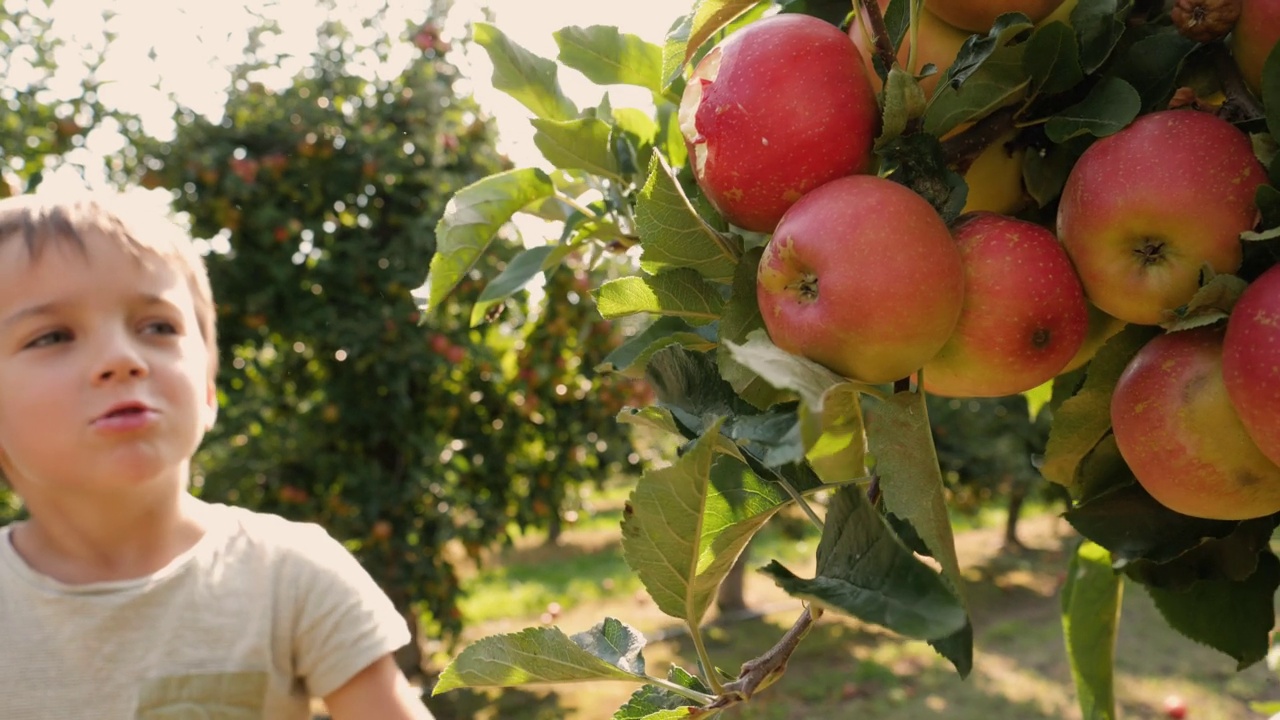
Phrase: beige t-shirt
{"type": "Point", "coordinates": [260, 615]}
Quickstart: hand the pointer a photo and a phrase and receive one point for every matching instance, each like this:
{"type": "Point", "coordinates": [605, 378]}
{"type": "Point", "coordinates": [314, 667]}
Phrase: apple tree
{"type": "Point", "coordinates": [839, 210]}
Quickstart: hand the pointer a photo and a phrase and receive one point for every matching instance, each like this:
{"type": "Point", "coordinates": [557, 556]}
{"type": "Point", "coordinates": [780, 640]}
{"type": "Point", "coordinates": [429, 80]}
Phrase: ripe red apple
{"type": "Point", "coordinates": [1255, 34]}
{"type": "Point", "coordinates": [978, 16]}
{"type": "Point", "coordinates": [1145, 208]}
{"type": "Point", "coordinates": [1251, 361]}
{"type": "Point", "coordinates": [1180, 435]}
{"type": "Point", "coordinates": [779, 108]}
{"type": "Point", "coordinates": [1175, 707]}
{"type": "Point", "coordinates": [863, 277]}
{"type": "Point", "coordinates": [1024, 315]}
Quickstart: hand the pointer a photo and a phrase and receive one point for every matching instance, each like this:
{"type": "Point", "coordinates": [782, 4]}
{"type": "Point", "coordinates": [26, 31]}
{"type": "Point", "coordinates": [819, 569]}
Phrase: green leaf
{"type": "Point", "coordinates": [519, 271]}
{"type": "Point", "coordinates": [783, 370]}
{"type": "Point", "coordinates": [741, 318]}
{"type": "Point", "coordinates": [678, 293]}
{"type": "Point", "coordinates": [709, 16]}
{"type": "Point", "coordinates": [903, 102]}
{"type": "Point", "coordinates": [1234, 618]}
{"type": "Point", "coordinates": [1108, 108]}
{"type": "Point", "coordinates": [1045, 174]}
{"type": "Point", "coordinates": [653, 702]}
{"type": "Point", "coordinates": [524, 76]}
{"type": "Point", "coordinates": [654, 418]}
{"type": "Point", "coordinates": [673, 235]}
{"type": "Point", "coordinates": [685, 525]}
{"type": "Point", "coordinates": [1211, 303]}
{"type": "Point", "coordinates": [978, 49]}
{"type": "Point", "coordinates": [608, 57]}
{"type": "Point", "coordinates": [688, 384]}
{"type": "Point", "coordinates": [1233, 557]}
{"type": "Point", "coordinates": [471, 219]}
{"type": "Point", "coordinates": [1090, 621]}
{"type": "Point", "coordinates": [1052, 59]}
{"type": "Point", "coordinates": [919, 162]}
{"type": "Point", "coordinates": [998, 82]}
{"type": "Point", "coordinates": [1267, 199]}
{"type": "Point", "coordinates": [1099, 25]}
{"type": "Point", "coordinates": [866, 572]}
{"type": "Point", "coordinates": [547, 655]}
{"type": "Point", "coordinates": [638, 348]}
{"type": "Point", "coordinates": [1084, 419]}
{"type": "Point", "coordinates": [1151, 65]}
{"type": "Point", "coordinates": [581, 144]}
{"type": "Point", "coordinates": [1271, 90]}
{"type": "Point", "coordinates": [637, 124]}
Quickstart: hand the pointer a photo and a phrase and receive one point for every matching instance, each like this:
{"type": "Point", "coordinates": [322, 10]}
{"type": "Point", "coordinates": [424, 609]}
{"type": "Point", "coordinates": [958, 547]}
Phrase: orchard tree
{"type": "Point", "coordinates": [834, 202]}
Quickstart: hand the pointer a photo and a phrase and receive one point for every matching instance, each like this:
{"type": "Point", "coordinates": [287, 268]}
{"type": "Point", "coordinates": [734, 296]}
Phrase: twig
{"type": "Point", "coordinates": [764, 670]}
{"type": "Point", "coordinates": [962, 149]}
{"type": "Point", "coordinates": [879, 33]}
{"type": "Point", "coordinates": [795, 495]}
{"type": "Point", "coordinates": [571, 202]}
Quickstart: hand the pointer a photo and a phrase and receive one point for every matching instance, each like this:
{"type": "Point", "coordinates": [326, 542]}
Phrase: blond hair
{"type": "Point", "coordinates": [40, 219]}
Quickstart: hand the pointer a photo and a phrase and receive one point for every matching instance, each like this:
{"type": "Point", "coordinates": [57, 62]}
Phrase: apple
{"type": "Point", "coordinates": [1144, 209]}
{"type": "Point", "coordinates": [1256, 33]}
{"type": "Point", "coordinates": [995, 178]}
{"type": "Point", "coordinates": [861, 276]}
{"type": "Point", "coordinates": [938, 43]}
{"type": "Point", "coordinates": [777, 109]}
{"type": "Point", "coordinates": [1175, 707]}
{"type": "Point", "coordinates": [1251, 361]}
{"type": "Point", "coordinates": [1102, 327]}
{"type": "Point", "coordinates": [1179, 434]}
{"type": "Point", "coordinates": [978, 16]}
{"type": "Point", "coordinates": [1024, 315]}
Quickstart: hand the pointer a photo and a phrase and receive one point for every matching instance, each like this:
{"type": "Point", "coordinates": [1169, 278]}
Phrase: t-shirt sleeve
{"type": "Point", "coordinates": [343, 621]}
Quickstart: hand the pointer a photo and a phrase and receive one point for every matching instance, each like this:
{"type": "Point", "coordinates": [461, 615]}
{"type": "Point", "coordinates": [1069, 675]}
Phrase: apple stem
{"type": "Point", "coordinates": [879, 33]}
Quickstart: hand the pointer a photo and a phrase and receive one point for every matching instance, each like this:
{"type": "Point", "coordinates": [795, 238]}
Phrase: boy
{"type": "Point", "coordinates": [123, 596]}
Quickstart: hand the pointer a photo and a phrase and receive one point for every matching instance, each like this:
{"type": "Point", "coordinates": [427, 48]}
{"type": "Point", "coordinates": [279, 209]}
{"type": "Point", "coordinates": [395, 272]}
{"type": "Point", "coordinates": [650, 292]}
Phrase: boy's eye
{"type": "Point", "coordinates": [161, 327]}
{"type": "Point", "coordinates": [50, 338]}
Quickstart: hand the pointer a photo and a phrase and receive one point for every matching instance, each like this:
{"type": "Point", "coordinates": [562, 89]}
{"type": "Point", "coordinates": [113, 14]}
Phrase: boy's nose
{"type": "Point", "coordinates": [120, 360]}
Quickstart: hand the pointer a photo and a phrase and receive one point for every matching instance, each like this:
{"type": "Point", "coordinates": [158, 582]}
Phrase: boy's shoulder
{"type": "Point", "coordinates": [270, 534]}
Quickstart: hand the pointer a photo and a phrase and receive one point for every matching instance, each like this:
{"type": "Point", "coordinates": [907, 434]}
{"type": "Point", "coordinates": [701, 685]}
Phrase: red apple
{"type": "Point", "coordinates": [1179, 434]}
{"type": "Point", "coordinates": [863, 277]}
{"type": "Point", "coordinates": [779, 108]}
{"type": "Point", "coordinates": [1255, 34]}
{"type": "Point", "coordinates": [1144, 209]}
{"type": "Point", "coordinates": [979, 15]}
{"type": "Point", "coordinates": [1251, 361]}
{"type": "Point", "coordinates": [1024, 315]}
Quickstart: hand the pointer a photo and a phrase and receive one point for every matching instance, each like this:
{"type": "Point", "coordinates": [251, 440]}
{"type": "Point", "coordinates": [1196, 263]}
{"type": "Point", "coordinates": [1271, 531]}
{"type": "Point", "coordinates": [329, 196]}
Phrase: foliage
{"type": "Point", "coordinates": [762, 428]}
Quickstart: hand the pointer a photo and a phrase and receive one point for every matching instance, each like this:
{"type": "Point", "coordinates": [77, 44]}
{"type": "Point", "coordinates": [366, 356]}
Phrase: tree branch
{"type": "Point", "coordinates": [763, 671]}
{"type": "Point", "coordinates": [1240, 105]}
{"type": "Point", "coordinates": [963, 148]}
{"type": "Point", "coordinates": [879, 33]}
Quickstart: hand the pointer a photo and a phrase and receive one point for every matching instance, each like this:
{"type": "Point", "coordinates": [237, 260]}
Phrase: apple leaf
{"type": "Point", "coordinates": [652, 702]}
{"type": "Point", "coordinates": [691, 31]}
{"type": "Point", "coordinates": [1233, 557]}
{"type": "Point", "coordinates": [688, 384]}
{"type": "Point", "coordinates": [866, 572]}
{"type": "Point", "coordinates": [1108, 108]}
{"type": "Point", "coordinates": [519, 271]}
{"type": "Point", "coordinates": [918, 161]}
{"type": "Point", "coordinates": [470, 221]}
{"type": "Point", "coordinates": [978, 49]}
{"type": "Point", "coordinates": [679, 293]}
{"type": "Point", "coordinates": [608, 57]}
{"type": "Point", "coordinates": [1080, 422]}
{"type": "Point", "coordinates": [999, 81]}
{"type": "Point", "coordinates": [670, 140]}
{"type": "Point", "coordinates": [772, 436]}
{"type": "Point", "coordinates": [1091, 601]}
{"type": "Point", "coordinates": [547, 655]}
{"type": "Point", "coordinates": [581, 144]}
{"type": "Point", "coordinates": [528, 78]}
{"type": "Point", "coordinates": [1211, 303]}
{"type": "Point", "coordinates": [1052, 59]}
{"type": "Point", "coordinates": [1267, 198]}
{"type": "Point", "coordinates": [897, 21]}
{"type": "Point", "coordinates": [1151, 65]}
{"type": "Point", "coordinates": [741, 318]}
{"type": "Point", "coordinates": [1099, 25]}
{"type": "Point", "coordinates": [685, 525]}
{"type": "Point", "coordinates": [636, 124]}
{"type": "Point", "coordinates": [1234, 618]}
{"type": "Point", "coordinates": [783, 370]}
{"type": "Point", "coordinates": [638, 348]}
{"type": "Point", "coordinates": [1270, 90]}
{"type": "Point", "coordinates": [1045, 173]}
{"type": "Point", "coordinates": [652, 417]}
{"type": "Point", "coordinates": [674, 235]}
{"type": "Point", "coordinates": [903, 101]}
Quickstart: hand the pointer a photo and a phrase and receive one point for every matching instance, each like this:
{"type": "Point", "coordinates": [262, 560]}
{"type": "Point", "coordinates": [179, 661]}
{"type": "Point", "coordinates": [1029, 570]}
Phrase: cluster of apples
{"type": "Point", "coordinates": [862, 275]}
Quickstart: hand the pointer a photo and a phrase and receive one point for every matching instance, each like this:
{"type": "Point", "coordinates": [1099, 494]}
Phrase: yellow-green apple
{"type": "Point", "coordinates": [979, 15]}
{"type": "Point", "coordinates": [1256, 33]}
{"type": "Point", "coordinates": [777, 109]}
{"type": "Point", "coordinates": [1023, 317]}
{"type": "Point", "coordinates": [937, 43]}
{"type": "Point", "coordinates": [1144, 209]}
{"type": "Point", "coordinates": [1102, 327]}
{"type": "Point", "coordinates": [1251, 361]}
{"type": "Point", "coordinates": [995, 178]}
{"type": "Point", "coordinates": [863, 277]}
{"type": "Point", "coordinates": [1179, 434]}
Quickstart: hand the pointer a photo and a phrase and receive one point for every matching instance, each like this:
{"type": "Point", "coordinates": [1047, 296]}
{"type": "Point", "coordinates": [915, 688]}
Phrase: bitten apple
{"type": "Point", "coordinates": [1251, 361]}
{"type": "Point", "coordinates": [863, 277]}
{"type": "Point", "coordinates": [779, 108]}
{"type": "Point", "coordinates": [1180, 435]}
{"type": "Point", "coordinates": [1024, 315]}
{"type": "Point", "coordinates": [1144, 209]}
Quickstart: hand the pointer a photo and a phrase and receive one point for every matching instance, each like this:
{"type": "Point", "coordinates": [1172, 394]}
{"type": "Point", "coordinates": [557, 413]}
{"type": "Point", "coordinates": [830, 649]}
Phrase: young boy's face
{"type": "Point", "coordinates": [104, 376]}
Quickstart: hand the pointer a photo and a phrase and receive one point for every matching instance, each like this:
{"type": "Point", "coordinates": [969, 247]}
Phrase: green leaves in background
{"type": "Point", "coordinates": [470, 221]}
{"type": "Point", "coordinates": [1090, 620]}
{"type": "Point", "coordinates": [999, 81]}
{"type": "Point", "coordinates": [524, 76]}
{"type": "Point", "coordinates": [1052, 59]}
{"type": "Point", "coordinates": [609, 57]}
{"type": "Point", "coordinates": [1109, 106]}
{"type": "Point", "coordinates": [866, 572]}
{"type": "Point", "coordinates": [662, 332]}
{"type": "Point", "coordinates": [582, 144]}
{"type": "Point", "coordinates": [519, 271]}
{"type": "Point", "coordinates": [741, 318]}
{"type": "Point", "coordinates": [674, 235]}
{"type": "Point", "coordinates": [679, 293]}
{"type": "Point", "coordinates": [609, 651]}
{"type": "Point", "coordinates": [1151, 65]}
{"type": "Point", "coordinates": [1099, 25]}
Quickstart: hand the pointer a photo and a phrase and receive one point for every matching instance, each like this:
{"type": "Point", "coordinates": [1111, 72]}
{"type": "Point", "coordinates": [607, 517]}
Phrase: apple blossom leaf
{"type": "Point", "coordinates": [684, 525]}
{"type": "Point", "coordinates": [865, 571]}
{"type": "Point", "coordinates": [999, 81]}
{"type": "Point", "coordinates": [679, 293]}
{"type": "Point", "coordinates": [918, 161]}
{"type": "Point", "coordinates": [978, 49]}
{"type": "Point", "coordinates": [1082, 421]}
{"type": "Point", "coordinates": [783, 370]}
{"type": "Point", "coordinates": [1152, 64]}
{"type": "Point", "coordinates": [653, 702]}
{"type": "Point", "coordinates": [1110, 105]}
{"type": "Point", "coordinates": [1099, 25]}
{"type": "Point", "coordinates": [1234, 618]}
{"type": "Point", "coordinates": [1212, 303]}
{"type": "Point", "coordinates": [608, 57]}
{"type": "Point", "coordinates": [1052, 59]}
{"type": "Point", "coordinates": [581, 144]}
{"type": "Point", "coordinates": [519, 271]}
{"type": "Point", "coordinates": [547, 655]}
{"type": "Point", "coordinates": [674, 235]}
{"type": "Point", "coordinates": [903, 102]}
{"type": "Point", "coordinates": [528, 78]}
{"type": "Point", "coordinates": [637, 349]}
{"type": "Point", "coordinates": [741, 318]}
{"type": "Point", "coordinates": [1270, 91]}
{"type": "Point", "coordinates": [470, 221]}
{"type": "Point", "coordinates": [1091, 601]}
